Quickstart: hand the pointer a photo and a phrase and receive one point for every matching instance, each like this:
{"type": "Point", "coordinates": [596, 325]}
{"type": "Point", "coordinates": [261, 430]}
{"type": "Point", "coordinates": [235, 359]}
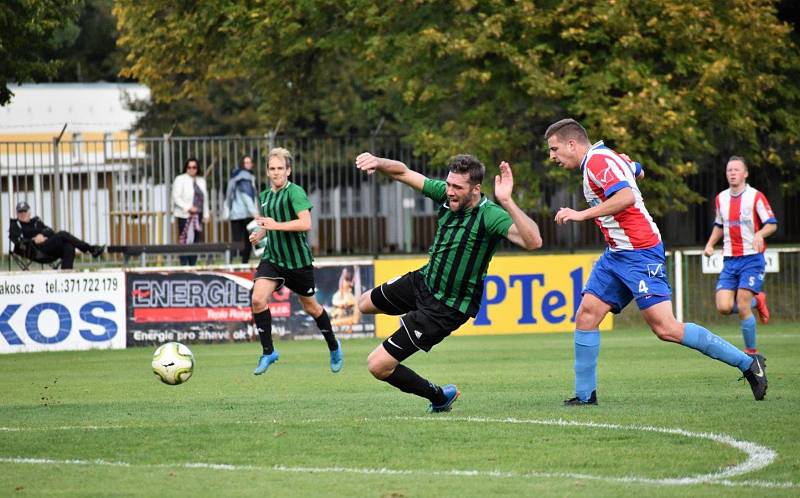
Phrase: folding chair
{"type": "Point", "coordinates": [26, 253]}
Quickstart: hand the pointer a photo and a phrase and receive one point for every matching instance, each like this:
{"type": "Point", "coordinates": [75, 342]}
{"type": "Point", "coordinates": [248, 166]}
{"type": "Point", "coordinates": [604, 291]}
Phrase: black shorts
{"type": "Point", "coordinates": [300, 281]}
{"type": "Point", "coordinates": [426, 321]}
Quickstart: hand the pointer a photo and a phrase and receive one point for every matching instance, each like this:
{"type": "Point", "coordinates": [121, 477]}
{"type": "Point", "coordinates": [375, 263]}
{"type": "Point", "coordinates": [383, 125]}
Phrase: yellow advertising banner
{"type": "Point", "coordinates": [521, 295]}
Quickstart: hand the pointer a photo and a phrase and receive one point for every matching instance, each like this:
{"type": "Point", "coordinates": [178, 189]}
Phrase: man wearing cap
{"type": "Point", "coordinates": [55, 244]}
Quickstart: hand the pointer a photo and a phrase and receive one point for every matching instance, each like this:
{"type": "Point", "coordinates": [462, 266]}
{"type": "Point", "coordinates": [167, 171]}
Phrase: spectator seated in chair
{"type": "Point", "coordinates": [39, 243]}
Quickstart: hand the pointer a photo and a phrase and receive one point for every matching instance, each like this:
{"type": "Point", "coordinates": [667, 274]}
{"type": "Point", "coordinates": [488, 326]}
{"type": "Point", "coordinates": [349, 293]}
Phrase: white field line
{"type": "Point", "coordinates": [758, 456]}
{"type": "Point", "coordinates": [399, 472]}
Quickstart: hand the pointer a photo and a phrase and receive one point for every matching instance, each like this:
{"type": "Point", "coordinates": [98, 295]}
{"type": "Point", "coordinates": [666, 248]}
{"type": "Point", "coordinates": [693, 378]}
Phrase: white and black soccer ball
{"type": "Point", "coordinates": [173, 363]}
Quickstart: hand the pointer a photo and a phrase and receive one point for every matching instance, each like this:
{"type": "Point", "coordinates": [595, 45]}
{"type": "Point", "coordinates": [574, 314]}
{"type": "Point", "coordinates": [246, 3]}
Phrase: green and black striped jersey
{"type": "Point", "coordinates": [286, 249]}
{"type": "Point", "coordinates": [464, 244]}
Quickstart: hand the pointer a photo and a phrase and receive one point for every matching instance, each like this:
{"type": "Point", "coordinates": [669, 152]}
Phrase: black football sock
{"type": "Point", "coordinates": [409, 381]}
{"type": "Point", "coordinates": [264, 326]}
{"type": "Point", "coordinates": [324, 324]}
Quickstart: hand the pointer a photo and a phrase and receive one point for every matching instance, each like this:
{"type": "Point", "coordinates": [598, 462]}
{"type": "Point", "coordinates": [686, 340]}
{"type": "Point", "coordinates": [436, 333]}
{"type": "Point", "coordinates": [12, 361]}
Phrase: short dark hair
{"type": "Point", "coordinates": [465, 163]}
{"type": "Point", "coordinates": [739, 158]}
{"type": "Point", "coordinates": [567, 129]}
{"type": "Point", "coordinates": [186, 164]}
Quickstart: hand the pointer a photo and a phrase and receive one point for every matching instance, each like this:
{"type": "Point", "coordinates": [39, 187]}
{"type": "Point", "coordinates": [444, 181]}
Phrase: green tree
{"type": "Point", "coordinates": [29, 31]}
{"type": "Point", "coordinates": [92, 55]}
{"type": "Point", "coordinates": [297, 59]}
{"type": "Point", "coordinates": [676, 85]}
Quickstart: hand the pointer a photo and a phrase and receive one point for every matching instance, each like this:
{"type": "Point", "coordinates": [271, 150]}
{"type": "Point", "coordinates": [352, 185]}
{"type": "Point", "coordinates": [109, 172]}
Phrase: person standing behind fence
{"type": "Point", "coordinates": [240, 201]}
{"type": "Point", "coordinates": [190, 200]}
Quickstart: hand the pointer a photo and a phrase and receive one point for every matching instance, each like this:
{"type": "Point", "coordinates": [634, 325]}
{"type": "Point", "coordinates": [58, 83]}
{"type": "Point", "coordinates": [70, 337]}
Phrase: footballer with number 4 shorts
{"type": "Point", "coordinates": [743, 220]}
{"type": "Point", "coordinates": [285, 218]}
{"type": "Point", "coordinates": [632, 266]}
{"type": "Point", "coordinates": [438, 298]}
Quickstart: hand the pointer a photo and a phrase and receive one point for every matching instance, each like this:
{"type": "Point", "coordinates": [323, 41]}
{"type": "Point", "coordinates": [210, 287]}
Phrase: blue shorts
{"type": "Point", "coordinates": [619, 276]}
{"type": "Point", "coordinates": [742, 272]}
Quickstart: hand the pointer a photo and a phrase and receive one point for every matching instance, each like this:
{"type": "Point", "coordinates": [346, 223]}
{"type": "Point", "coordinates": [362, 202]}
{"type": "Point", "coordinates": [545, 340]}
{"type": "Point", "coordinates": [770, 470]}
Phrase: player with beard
{"type": "Point", "coordinates": [439, 297]}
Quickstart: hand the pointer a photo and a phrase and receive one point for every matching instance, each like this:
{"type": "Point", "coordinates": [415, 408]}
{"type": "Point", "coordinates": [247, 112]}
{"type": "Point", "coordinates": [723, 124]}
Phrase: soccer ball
{"type": "Point", "coordinates": [173, 363]}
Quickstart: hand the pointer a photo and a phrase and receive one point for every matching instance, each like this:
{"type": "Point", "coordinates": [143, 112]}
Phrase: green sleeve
{"type": "Point", "coordinates": [497, 220]}
{"type": "Point", "coordinates": [299, 199]}
{"type": "Point", "coordinates": [435, 189]}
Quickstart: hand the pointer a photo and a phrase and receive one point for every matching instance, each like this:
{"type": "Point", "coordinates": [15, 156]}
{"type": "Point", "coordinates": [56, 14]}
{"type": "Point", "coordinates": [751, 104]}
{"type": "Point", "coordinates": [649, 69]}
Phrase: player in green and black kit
{"type": "Point", "coordinates": [439, 297]}
{"type": "Point", "coordinates": [285, 218]}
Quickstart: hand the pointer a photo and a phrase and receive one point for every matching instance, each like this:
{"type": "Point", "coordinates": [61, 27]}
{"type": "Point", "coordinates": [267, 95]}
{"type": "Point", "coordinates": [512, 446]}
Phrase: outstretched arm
{"type": "Point", "coordinates": [618, 202]}
{"type": "Point", "coordinates": [395, 170]}
{"type": "Point", "coordinates": [524, 232]}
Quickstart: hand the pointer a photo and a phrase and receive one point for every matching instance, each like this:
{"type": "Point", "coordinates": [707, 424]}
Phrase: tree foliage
{"type": "Point", "coordinates": [92, 55]}
{"type": "Point", "coordinates": [29, 31]}
{"type": "Point", "coordinates": [297, 60]}
{"type": "Point", "coordinates": [677, 85]}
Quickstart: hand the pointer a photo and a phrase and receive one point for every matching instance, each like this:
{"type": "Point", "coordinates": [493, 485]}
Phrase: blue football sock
{"type": "Point", "coordinates": [749, 332]}
{"type": "Point", "coordinates": [701, 339]}
{"type": "Point", "coordinates": [587, 349]}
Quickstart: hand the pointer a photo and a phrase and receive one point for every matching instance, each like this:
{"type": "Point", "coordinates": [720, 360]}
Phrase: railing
{"type": "Point", "coordinates": [118, 192]}
{"type": "Point", "coordinates": [694, 290]}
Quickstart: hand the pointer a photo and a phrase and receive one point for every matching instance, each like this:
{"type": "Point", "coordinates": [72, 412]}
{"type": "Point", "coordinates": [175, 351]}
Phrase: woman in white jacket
{"type": "Point", "coordinates": [190, 206]}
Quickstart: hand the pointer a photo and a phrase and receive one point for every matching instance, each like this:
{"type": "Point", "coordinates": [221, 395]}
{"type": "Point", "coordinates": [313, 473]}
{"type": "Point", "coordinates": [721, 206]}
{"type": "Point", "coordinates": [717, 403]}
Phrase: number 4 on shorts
{"type": "Point", "coordinates": [642, 287]}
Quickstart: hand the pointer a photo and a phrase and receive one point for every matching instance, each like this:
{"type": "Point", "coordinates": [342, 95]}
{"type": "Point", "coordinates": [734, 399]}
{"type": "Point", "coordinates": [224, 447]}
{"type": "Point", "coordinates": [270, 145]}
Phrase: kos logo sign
{"type": "Point", "coordinates": [104, 328]}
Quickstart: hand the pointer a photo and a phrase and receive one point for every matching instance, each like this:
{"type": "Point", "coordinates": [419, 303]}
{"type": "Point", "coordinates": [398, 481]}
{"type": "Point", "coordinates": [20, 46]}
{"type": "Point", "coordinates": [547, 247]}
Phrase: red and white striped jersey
{"type": "Point", "coordinates": [740, 217]}
{"type": "Point", "coordinates": [605, 172]}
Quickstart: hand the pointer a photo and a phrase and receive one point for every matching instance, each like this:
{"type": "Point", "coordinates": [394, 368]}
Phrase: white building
{"type": "Point", "coordinates": [70, 178]}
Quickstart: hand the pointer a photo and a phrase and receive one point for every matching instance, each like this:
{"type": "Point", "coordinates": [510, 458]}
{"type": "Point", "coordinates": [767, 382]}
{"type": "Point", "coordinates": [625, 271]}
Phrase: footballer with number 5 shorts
{"type": "Point", "coordinates": [285, 218]}
{"type": "Point", "coordinates": [744, 219]}
{"type": "Point", "coordinates": [439, 297]}
{"type": "Point", "coordinates": [632, 266]}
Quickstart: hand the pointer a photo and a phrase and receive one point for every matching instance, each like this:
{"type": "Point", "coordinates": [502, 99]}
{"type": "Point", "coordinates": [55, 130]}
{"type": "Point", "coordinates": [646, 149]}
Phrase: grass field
{"type": "Point", "coordinates": [99, 423]}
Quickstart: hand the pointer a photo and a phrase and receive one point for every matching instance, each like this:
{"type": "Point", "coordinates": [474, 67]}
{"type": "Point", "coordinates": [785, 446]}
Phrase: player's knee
{"type": "Point", "coordinates": [724, 308]}
{"type": "Point", "coordinates": [365, 303]}
{"type": "Point", "coordinates": [312, 308]}
{"type": "Point", "coordinates": [586, 319]}
{"type": "Point", "coordinates": [260, 301]}
{"type": "Point", "coordinates": [744, 308]}
{"type": "Point", "coordinates": [378, 368]}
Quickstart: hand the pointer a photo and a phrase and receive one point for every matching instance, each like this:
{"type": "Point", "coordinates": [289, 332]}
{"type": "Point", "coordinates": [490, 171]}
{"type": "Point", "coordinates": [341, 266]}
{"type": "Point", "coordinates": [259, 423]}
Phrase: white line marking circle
{"type": "Point", "coordinates": [758, 456]}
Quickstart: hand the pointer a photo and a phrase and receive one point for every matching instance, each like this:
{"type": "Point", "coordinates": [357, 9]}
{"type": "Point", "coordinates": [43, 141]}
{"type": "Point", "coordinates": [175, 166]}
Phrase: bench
{"type": "Point", "coordinates": [142, 251]}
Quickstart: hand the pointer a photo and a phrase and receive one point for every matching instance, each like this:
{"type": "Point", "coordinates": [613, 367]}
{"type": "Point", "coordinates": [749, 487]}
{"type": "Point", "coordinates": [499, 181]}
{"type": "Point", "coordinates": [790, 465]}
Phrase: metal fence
{"type": "Point", "coordinates": [118, 192]}
{"type": "Point", "coordinates": [698, 289]}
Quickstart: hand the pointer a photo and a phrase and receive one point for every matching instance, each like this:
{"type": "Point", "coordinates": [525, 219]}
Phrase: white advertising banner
{"type": "Point", "coordinates": [61, 311]}
{"type": "Point", "coordinates": [713, 264]}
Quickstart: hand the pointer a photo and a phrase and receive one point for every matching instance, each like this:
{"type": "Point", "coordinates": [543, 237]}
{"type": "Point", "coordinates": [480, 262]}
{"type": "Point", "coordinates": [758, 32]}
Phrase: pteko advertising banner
{"type": "Point", "coordinates": [214, 305]}
{"type": "Point", "coordinates": [62, 311]}
{"type": "Point", "coordinates": [521, 295]}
